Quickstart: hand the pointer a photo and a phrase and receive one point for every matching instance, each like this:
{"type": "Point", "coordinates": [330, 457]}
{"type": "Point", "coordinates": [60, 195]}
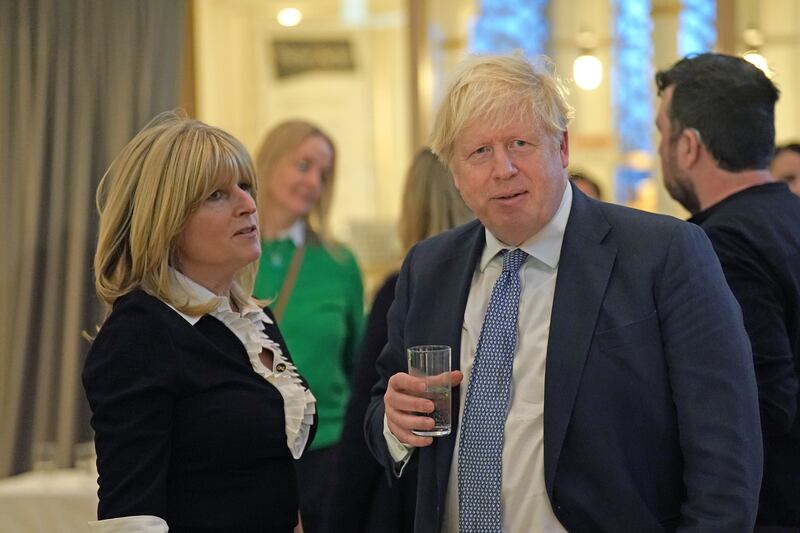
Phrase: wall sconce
{"type": "Point", "coordinates": [753, 40]}
{"type": "Point", "coordinates": [587, 70]}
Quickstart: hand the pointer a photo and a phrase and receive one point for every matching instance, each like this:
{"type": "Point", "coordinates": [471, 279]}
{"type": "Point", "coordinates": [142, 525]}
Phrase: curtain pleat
{"type": "Point", "coordinates": [85, 76]}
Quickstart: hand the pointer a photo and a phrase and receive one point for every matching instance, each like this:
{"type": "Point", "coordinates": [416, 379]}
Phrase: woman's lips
{"type": "Point", "coordinates": [246, 231]}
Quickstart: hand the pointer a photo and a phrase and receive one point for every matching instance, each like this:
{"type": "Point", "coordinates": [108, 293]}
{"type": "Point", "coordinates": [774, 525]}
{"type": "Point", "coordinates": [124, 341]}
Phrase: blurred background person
{"type": "Point", "coordinates": [197, 407]}
{"type": "Point", "coordinates": [318, 286]}
{"type": "Point", "coordinates": [362, 500]}
{"type": "Point", "coordinates": [786, 165]}
{"type": "Point", "coordinates": [587, 185]}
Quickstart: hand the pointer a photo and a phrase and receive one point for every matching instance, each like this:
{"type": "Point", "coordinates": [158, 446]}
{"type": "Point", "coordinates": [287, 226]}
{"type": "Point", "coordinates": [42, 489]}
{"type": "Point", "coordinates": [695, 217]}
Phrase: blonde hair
{"type": "Point", "coordinates": [160, 178]}
{"type": "Point", "coordinates": [496, 89]}
{"type": "Point", "coordinates": [431, 202]}
{"type": "Point", "coordinates": [281, 141]}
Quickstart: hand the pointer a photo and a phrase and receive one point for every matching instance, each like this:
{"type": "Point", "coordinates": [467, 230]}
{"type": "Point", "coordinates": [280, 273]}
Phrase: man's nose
{"type": "Point", "coordinates": [504, 164]}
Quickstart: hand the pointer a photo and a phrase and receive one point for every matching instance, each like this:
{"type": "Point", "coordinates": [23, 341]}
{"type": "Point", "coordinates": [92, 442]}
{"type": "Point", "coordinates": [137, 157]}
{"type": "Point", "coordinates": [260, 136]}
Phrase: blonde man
{"type": "Point", "coordinates": [605, 374]}
{"type": "Point", "coordinates": [197, 409]}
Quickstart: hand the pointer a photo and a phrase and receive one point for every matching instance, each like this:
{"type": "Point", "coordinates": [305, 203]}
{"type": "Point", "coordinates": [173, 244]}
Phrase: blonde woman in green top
{"type": "Point", "coordinates": [317, 286]}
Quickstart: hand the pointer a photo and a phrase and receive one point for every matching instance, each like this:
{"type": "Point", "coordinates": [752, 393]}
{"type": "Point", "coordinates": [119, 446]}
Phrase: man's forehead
{"type": "Point", "coordinates": [498, 125]}
{"type": "Point", "coordinates": [663, 105]}
{"type": "Point", "coordinates": [666, 97]}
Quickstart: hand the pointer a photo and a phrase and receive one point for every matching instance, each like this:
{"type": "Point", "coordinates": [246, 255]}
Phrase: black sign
{"type": "Point", "coordinates": [296, 57]}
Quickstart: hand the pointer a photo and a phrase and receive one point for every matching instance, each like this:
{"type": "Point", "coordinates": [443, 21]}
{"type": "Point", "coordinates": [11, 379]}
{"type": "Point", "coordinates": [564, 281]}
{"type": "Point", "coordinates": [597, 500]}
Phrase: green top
{"type": "Point", "coordinates": [321, 323]}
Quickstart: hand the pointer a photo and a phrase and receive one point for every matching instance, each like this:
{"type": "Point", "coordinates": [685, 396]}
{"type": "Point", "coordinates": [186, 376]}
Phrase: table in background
{"type": "Point", "coordinates": [48, 501]}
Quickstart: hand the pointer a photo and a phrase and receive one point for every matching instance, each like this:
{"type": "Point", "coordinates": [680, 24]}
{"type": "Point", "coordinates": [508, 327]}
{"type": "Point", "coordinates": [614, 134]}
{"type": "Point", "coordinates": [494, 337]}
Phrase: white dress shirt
{"type": "Point", "coordinates": [524, 500]}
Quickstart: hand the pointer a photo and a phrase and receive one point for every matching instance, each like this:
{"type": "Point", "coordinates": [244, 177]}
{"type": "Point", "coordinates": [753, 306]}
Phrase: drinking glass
{"type": "Point", "coordinates": [432, 363]}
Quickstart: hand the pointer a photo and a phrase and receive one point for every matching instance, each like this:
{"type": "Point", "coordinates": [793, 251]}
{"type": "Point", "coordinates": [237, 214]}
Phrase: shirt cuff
{"type": "Point", "coordinates": [130, 524]}
{"type": "Point", "coordinates": [401, 453]}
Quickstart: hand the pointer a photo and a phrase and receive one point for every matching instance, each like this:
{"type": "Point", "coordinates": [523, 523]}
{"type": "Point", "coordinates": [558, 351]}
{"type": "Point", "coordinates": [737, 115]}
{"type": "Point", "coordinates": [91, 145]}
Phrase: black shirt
{"type": "Point", "coordinates": [756, 234]}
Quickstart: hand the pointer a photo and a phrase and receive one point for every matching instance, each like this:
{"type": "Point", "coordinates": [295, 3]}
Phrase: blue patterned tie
{"type": "Point", "coordinates": [480, 448]}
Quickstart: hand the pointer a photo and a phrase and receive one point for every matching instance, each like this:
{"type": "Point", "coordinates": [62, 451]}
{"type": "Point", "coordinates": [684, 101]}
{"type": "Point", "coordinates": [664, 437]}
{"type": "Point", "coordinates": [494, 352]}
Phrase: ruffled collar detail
{"type": "Point", "coordinates": [248, 326]}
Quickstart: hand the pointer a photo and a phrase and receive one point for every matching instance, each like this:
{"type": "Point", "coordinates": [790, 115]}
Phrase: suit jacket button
{"type": "Point", "coordinates": [280, 367]}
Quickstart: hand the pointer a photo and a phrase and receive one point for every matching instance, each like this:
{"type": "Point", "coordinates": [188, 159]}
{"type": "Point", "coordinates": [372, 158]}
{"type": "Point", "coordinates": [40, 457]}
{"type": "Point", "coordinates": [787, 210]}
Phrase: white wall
{"type": "Point", "coordinates": [779, 22]}
{"type": "Point", "coordinates": [365, 111]}
{"type": "Point", "coordinates": [368, 111]}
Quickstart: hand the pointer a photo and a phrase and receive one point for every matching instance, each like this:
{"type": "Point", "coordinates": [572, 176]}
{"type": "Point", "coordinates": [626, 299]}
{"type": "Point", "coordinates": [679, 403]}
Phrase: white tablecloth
{"type": "Point", "coordinates": [55, 501]}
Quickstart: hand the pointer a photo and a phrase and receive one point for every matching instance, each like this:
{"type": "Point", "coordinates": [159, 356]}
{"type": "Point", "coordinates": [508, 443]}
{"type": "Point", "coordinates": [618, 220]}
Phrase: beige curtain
{"type": "Point", "coordinates": [78, 78]}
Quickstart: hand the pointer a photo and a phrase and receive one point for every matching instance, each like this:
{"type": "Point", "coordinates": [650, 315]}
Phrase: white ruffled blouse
{"type": "Point", "coordinates": [299, 404]}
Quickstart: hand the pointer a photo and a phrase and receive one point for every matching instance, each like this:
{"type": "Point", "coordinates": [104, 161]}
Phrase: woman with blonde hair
{"type": "Point", "coordinates": [363, 501]}
{"type": "Point", "coordinates": [197, 408]}
{"type": "Point", "coordinates": [317, 286]}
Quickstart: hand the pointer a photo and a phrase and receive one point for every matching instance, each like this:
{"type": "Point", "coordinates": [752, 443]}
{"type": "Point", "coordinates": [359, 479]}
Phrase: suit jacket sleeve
{"type": "Point", "coordinates": [129, 385]}
{"type": "Point", "coordinates": [391, 361]}
{"type": "Point", "coordinates": [713, 387]}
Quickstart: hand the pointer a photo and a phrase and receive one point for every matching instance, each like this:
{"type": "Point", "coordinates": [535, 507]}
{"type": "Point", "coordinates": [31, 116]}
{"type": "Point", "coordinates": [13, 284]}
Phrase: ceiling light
{"type": "Point", "coordinates": [289, 16]}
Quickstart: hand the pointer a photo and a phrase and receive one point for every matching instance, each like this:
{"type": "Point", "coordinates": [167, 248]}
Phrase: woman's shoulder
{"type": "Point", "coordinates": [133, 340]}
{"type": "Point", "coordinates": [140, 305]}
{"type": "Point", "coordinates": [137, 317]}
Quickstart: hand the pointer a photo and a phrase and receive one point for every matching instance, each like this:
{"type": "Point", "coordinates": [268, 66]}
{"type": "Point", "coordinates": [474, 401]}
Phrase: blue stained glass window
{"type": "Point", "coordinates": [697, 26]}
{"type": "Point", "coordinates": [504, 25]}
{"type": "Point", "coordinates": [632, 89]}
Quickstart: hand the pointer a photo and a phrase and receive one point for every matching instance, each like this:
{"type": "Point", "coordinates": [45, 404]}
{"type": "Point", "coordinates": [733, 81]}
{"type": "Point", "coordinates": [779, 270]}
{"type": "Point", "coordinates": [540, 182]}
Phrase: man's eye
{"type": "Point", "coordinates": [518, 143]}
{"type": "Point", "coordinates": [482, 150]}
{"type": "Point", "coordinates": [303, 165]}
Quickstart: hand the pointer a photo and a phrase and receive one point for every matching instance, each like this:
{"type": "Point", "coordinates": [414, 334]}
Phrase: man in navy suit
{"type": "Point", "coordinates": [631, 403]}
{"type": "Point", "coordinates": [717, 134]}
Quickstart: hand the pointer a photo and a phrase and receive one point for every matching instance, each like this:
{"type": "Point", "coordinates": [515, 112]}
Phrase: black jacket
{"type": "Point", "coordinates": [184, 428]}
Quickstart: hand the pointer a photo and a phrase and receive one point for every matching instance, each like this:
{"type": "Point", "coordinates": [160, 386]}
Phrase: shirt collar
{"type": "Point", "coordinates": [296, 233]}
{"type": "Point", "coordinates": [771, 186]}
{"type": "Point", "coordinates": [544, 246]}
{"type": "Point", "coordinates": [197, 294]}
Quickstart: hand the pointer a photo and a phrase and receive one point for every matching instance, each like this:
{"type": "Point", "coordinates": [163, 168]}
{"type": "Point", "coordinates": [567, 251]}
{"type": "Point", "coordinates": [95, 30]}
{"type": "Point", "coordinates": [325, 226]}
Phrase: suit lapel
{"type": "Point", "coordinates": [456, 270]}
{"type": "Point", "coordinates": [583, 273]}
{"type": "Point", "coordinates": [453, 284]}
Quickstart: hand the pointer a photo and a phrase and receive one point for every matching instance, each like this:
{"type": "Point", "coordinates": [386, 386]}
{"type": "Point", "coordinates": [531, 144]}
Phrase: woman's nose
{"type": "Point", "coordinates": [247, 203]}
{"type": "Point", "coordinates": [315, 178]}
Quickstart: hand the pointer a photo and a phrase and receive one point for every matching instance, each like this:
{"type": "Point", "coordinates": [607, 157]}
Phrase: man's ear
{"type": "Point", "coordinates": [690, 146]}
{"type": "Point", "coordinates": [564, 149]}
